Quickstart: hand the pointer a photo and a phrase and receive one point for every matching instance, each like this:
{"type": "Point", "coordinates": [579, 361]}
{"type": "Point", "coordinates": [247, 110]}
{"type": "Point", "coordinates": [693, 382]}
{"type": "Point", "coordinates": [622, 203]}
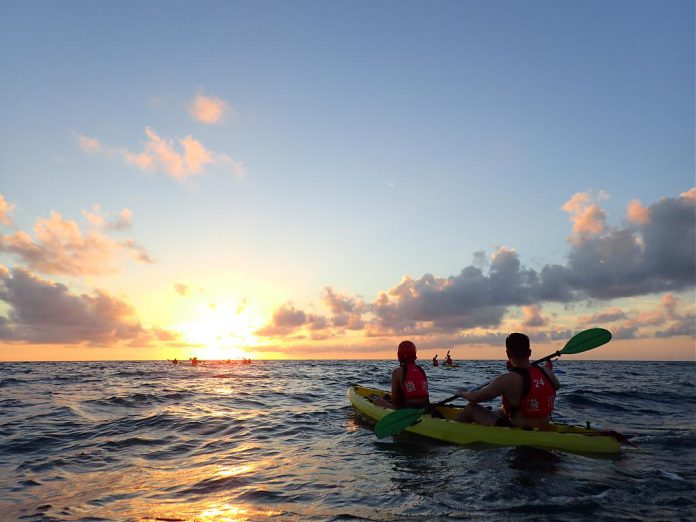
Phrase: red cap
{"type": "Point", "coordinates": [406, 351]}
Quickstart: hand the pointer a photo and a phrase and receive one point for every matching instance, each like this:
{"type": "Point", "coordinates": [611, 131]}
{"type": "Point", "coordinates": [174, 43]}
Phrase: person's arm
{"type": "Point", "coordinates": [490, 391]}
{"type": "Point", "coordinates": [396, 385]}
{"type": "Point", "coordinates": [554, 380]}
{"type": "Point", "coordinates": [549, 371]}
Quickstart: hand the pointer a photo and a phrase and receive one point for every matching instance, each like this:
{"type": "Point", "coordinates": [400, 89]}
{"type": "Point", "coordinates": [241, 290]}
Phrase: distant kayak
{"type": "Point", "coordinates": [453, 365]}
{"type": "Point", "coordinates": [560, 437]}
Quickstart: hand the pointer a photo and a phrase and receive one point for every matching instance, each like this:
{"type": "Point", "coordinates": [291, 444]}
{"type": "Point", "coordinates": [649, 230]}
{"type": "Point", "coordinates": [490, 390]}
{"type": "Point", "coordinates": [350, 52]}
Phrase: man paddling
{"type": "Point", "coordinates": [528, 392]}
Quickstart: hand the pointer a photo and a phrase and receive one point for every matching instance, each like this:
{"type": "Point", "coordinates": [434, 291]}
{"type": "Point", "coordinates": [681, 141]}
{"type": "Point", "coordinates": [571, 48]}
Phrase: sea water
{"type": "Point", "coordinates": [279, 440]}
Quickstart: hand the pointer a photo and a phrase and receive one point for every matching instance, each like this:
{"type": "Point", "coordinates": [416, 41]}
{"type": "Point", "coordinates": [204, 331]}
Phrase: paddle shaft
{"type": "Point", "coordinates": [453, 397]}
{"type": "Point", "coordinates": [557, 353]}
{"type": "Point", "coordinates": [547, 358]}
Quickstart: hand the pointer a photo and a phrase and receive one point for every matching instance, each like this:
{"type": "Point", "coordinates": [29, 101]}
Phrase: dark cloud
{"type": "Point", "coordinates": [625, 332]}
{"type": "Point", "coordinates": [45, 312]}
{"type": "Point", "coordinates": [655, 256]}
{"type": "Point", "coordinates": [287, 319]}
{"type": "Point", "coordinates": [685, 326]}
{"type": "Point", "coordinates": [655, 253]}
{"type": "Point", "coordinates": [603, 317]}
{"type": "Point", "coordinates": [346, 311]}
{"type": "Point", "coordinates": [665, 320]}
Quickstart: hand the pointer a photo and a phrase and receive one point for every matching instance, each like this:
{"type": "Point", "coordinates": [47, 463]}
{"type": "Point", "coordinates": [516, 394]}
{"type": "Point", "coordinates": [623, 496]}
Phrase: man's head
{"type": "Point", "coordinates": [517, 346]}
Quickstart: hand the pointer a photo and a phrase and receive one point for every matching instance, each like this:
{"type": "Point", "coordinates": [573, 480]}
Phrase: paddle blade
{"type": "Point", "coordinates": [587, 340]}
{"type": "Point", "coordinates": [397, 421]}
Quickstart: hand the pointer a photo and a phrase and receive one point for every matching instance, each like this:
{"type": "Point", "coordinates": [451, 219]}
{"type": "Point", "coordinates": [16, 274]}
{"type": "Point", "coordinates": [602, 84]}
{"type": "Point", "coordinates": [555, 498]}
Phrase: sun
{"type": "Point", "coordinates": [222, 332]}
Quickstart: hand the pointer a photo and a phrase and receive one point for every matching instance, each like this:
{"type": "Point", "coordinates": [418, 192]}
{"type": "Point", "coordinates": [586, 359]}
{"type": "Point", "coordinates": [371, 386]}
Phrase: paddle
{"type": "Point", "coordinates": [581, 342]}
{"type": "Point", "coordinates": [391, 423]}
{"type": "Point", "coordinates": [399, 420]}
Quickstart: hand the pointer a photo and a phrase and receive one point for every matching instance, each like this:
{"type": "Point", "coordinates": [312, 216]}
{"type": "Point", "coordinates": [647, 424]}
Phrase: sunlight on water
{"type": "Point", "coordinates": [223, 512]}
{"type": "Point", "coordinates": [229, 513]}
{"type": "Point", "coordinates": [236, 470]}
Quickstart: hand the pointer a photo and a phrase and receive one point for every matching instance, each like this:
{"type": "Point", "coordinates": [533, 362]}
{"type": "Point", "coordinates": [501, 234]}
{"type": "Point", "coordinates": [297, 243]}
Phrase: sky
{"type": "Point", "coordinates": [321, 180]}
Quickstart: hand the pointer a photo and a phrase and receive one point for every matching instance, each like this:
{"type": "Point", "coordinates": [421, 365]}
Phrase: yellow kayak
{"type": "Point", "coordinates": [559, 436]}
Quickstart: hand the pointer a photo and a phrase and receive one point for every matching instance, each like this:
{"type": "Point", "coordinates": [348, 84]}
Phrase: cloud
{"type": "Point", "coordinates": [669, 318]}
{"type": "Point", "coordinates": [469, 300]}
{"type": "Point", "coordinates": [657, 255]}
{"type": "Point", "coordinates": [637, 213]}
{"type": "Point", "coordinates": [645, 257]}
{"type": "Point", "coordinates": [603, 317]}
{"type": "Point", "coordinates": [533, 317]}
{"type": "Point", "coordinates": [187, 157]}
{"type": "Point", "coordinates": [346, 310]}
{"type": "Point", "coordinates": [678, 322]}
{"type": "Point", "coordinates": [60, 247]}
{"type": "Point", "coordinates": [94, 147]}
{"type": "Point", "coordinates": [287, 320]}
{"type": "Point", "coordinates": [207, 109]}
{"type": "Point", "coordinates": [159, 156]}
{"type": "Point", "coordinates": [587, 216]}
{"type": "Point", "coordinates": [6, 209]}
{"type": "Point", "coordinates": [120, 221]}
{"type": "Point", "coordinates": [46, 312]}
{"type": "Point", "coordinates": [185, 289]}
{"type": "Point", "coordinates": [89, 145]}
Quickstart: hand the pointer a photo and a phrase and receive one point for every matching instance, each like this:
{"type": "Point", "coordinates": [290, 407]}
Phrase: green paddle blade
{"type": "Point", "coordinates": [396, 421]}
{"type": "Point", "coordinates": [587, 340]}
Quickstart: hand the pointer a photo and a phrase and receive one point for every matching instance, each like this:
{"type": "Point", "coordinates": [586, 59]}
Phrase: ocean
{"type": "Point", "coordinates": [278, 440]}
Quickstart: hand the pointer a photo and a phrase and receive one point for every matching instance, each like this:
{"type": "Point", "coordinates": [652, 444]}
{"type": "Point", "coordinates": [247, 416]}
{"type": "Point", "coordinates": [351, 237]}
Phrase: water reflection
{"type": "Point", "coordinates": [223, 512]}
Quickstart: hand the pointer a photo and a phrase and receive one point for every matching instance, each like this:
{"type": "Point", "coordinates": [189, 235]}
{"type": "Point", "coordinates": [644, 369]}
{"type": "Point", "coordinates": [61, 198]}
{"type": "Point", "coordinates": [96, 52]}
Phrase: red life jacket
{"type": "Point", "coordinates": [538, 394]}
{"type": "Point", "coordinates": [414, 383]}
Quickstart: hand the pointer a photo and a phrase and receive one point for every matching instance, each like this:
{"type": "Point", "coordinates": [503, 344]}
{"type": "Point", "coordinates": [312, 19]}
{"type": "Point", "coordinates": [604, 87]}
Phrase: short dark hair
{"type": "Point", "coordinates": [517, 345]}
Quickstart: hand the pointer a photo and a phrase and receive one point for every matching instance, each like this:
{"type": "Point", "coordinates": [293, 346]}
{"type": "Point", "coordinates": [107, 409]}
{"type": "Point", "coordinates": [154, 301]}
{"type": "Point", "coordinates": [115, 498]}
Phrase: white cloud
{"type": "Point", "coordinates": [120, 221]}
{"type": "Point", "coordinates": [60, 247]}
{"type": "Point", "coordinates": [637, 213]}
{"type": "Point", "coordinates": [587, 216]}
{"type": "Point", "coordinates": [6, 209]}
{"type": "Point", "coordinates": [179, 159]}
{"type": "Point", "coordinates": [206, 109]}
{"type": "Point", "coordinates": [159, 155]}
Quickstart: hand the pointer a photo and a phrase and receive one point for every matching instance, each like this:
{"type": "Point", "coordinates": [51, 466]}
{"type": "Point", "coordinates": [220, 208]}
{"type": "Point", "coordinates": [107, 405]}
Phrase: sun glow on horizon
{"type": "Point", "coordinates": [223, 331]}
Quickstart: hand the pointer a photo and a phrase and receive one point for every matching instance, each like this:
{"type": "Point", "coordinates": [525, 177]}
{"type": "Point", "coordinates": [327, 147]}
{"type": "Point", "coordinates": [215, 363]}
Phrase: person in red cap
{"type": "Point", "coordinates": [409, 384]}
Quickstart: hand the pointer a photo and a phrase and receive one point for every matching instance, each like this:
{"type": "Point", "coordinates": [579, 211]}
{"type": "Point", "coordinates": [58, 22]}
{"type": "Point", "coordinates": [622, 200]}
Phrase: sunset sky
{"type": "Point", "coordinates": [313, 180]}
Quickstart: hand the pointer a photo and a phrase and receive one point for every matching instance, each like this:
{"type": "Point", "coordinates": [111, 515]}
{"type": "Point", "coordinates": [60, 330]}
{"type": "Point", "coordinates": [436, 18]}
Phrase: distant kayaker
{"type": "Point", "coordinates": [528, 392]}
{"type": "Point", "coordinates": [435, 361]}
{"type": "Point", "coordinates": [448, 359]}
{"type": "Point", "coordinates": [409, 384]}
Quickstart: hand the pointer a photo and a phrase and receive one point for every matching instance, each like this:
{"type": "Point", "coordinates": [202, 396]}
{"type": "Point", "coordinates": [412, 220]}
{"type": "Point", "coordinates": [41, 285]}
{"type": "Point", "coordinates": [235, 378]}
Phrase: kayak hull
{"type": "Point", "coordinates": [559, 437]}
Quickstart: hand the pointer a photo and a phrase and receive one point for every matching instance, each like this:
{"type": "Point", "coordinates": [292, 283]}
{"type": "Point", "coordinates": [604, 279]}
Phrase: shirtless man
{"type": "Point", "coordinates": [528, 392]}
